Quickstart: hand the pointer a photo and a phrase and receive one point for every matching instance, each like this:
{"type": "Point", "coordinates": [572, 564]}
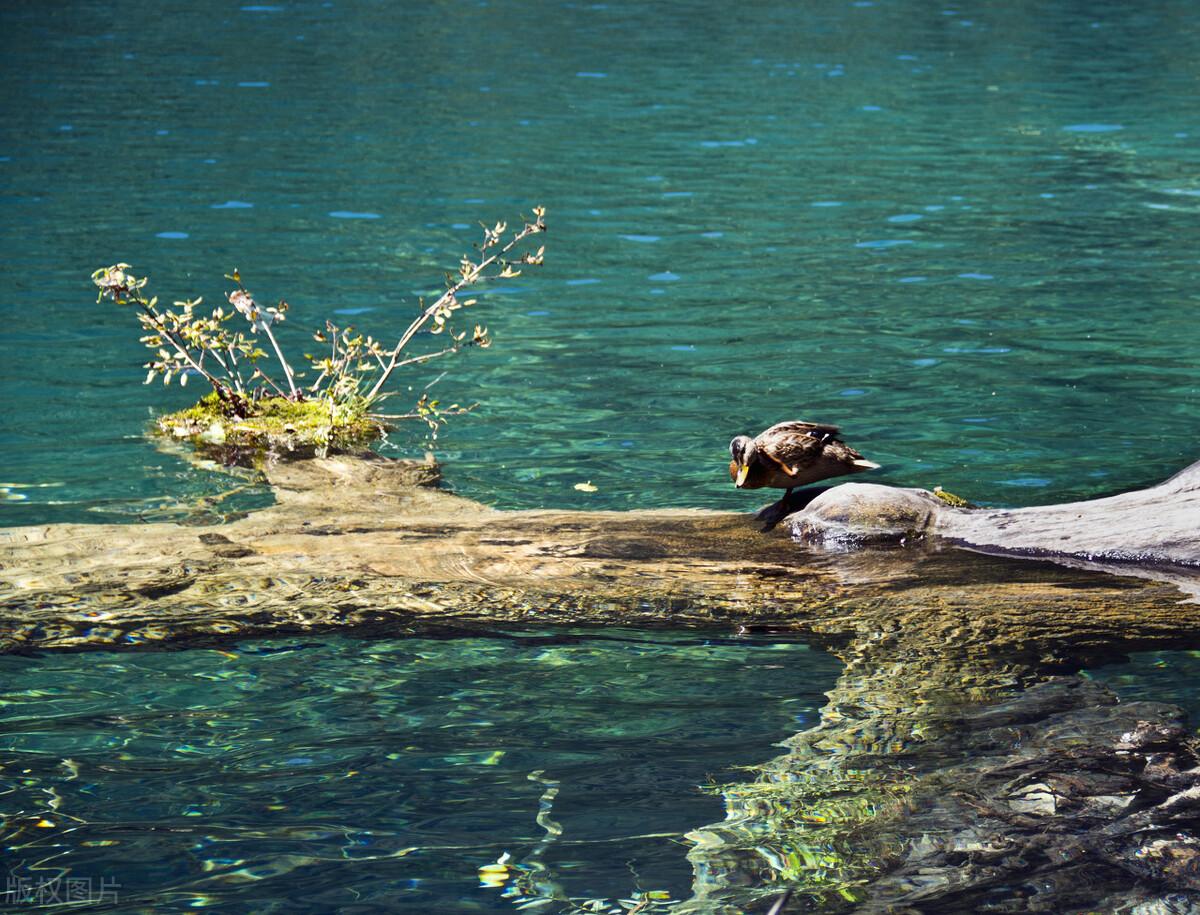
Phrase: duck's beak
{"type": "Point", "coordinates": [743, 472]}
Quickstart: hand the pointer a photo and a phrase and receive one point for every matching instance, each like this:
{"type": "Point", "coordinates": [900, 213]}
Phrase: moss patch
{"type": "Point", "coordinates": [277, 425]}
{"type": "Point", "coordinates": [951, 499]}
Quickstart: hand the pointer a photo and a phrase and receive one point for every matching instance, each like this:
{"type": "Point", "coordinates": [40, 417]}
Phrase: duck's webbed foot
{"type": "Point", "coordinates": [793, 500]}
{"type": "Point", "coordinates": [772, 514]}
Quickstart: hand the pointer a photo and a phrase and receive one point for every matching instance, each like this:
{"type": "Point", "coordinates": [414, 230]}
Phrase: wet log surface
{"type": "Point", "coordinates": [367, 542]}
{"type": "Point", "coordinates": [1151, 528]}
{"type": "Point", "coordinates": [958, 763]}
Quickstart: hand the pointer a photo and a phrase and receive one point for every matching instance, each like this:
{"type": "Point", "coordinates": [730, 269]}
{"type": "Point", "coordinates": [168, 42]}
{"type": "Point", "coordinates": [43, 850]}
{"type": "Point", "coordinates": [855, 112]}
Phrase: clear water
{"type": "Point", "coordinates": [963, 231]}
{"type": "Point", "coordinates": [339, 775]}
{"type": "Point", "coordinates": [1157, 676]}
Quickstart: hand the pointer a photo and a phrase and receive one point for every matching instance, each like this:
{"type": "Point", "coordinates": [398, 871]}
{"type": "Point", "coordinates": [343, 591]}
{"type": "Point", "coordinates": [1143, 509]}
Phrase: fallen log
{"type": "Point", "coordinates": [362, 541]}
{"type": "Point", "coordinates": [1149, 528]}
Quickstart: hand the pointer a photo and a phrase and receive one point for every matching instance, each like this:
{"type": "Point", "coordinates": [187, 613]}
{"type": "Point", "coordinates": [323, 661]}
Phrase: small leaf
{"type": "Point", "coordinates": [586, 487]}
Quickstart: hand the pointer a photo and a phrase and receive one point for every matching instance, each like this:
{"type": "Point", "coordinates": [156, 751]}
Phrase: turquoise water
{"type": "Point", "coordinates": [1157, 676]}
{"type": "Point", "coordinates": [966, 232]}
{"type": "Point", "coordinates": [329, 774]}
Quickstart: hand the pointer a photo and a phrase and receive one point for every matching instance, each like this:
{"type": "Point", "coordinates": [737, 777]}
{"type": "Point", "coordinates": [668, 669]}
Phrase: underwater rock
{"type": "Point", "coordinates": [1050, 797]}
{"type": "Point", "coordinates": [1091, 808]}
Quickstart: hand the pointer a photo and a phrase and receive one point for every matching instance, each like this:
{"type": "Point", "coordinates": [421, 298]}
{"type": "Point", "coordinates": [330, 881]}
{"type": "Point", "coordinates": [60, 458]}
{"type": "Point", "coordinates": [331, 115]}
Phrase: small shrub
{"type": "Point", "coordinates": [258, 396]}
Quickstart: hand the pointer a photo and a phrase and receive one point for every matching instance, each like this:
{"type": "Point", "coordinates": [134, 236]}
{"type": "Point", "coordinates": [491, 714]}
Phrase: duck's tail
{"type": "Point", "coordinates": [864, 464]}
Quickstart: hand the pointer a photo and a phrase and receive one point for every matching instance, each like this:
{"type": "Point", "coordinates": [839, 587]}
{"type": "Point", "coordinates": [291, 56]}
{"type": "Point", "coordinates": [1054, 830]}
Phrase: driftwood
{"type": "Point", "coordinates": [363, 541]}
{"type": "Point", "coordinates": [935, 639]}
{"type": "Point", "coordinates": [1150, 528]}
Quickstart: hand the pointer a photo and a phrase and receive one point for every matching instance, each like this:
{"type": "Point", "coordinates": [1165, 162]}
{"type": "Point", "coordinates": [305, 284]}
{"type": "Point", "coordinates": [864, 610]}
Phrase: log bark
{"type": "Point", "coordinates": [1154, 527]}
{"type": "Point", "coordinates": [360, 541]}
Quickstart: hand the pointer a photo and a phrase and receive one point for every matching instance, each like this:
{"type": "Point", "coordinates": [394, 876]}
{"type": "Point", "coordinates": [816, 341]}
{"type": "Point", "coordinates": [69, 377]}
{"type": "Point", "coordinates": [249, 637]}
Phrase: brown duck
{"type": "Point", "coordinates": [792, 454]}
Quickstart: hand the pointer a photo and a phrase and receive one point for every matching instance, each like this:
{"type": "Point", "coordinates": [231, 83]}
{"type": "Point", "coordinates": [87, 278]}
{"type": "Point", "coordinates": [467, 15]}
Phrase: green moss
{"type": "Point", "coordinates": [951, 499]}
{"type": "Point", "coordinates": [276, 425]}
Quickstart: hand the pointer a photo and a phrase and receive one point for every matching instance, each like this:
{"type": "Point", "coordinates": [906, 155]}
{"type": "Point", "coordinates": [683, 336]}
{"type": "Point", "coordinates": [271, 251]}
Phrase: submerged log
{"type": "Point", "coordinates": [1052, 797]}
{"type": "Point", "coordinates": [942, 646]}
{"type": "Point", "coordinates": [362, 541]}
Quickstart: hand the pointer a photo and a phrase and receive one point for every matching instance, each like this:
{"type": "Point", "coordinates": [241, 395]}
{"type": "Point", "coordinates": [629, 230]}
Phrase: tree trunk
{"type": "Point", "coordinates": [1153, 532]}
{"type": "Point", "coordinates": [360, 541]}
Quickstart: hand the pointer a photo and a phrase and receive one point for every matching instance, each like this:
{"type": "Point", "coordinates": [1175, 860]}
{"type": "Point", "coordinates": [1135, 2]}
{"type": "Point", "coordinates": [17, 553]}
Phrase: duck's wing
{"type": "Point", "coordinates": [800, 427]}
{"type": "Point", "coordinates": [796, 444]}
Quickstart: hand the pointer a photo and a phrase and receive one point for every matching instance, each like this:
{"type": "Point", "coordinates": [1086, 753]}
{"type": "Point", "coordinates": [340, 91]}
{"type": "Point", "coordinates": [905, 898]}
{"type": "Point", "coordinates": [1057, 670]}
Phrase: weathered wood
{"type": "Point", "coordinates": [1154, 527]}
{"type": "Point", "coordinates": [357, 541]}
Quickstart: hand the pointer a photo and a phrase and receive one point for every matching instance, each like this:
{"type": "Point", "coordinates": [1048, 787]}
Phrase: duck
{"type": "Point", "coordinates": [793, 453]}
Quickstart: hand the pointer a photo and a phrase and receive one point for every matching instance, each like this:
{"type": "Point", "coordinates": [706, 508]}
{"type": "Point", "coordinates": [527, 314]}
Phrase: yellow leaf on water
{"type": "Point", "coordinates": [495, 875]}
{"type": "Point", "coordinates": [586, 487]}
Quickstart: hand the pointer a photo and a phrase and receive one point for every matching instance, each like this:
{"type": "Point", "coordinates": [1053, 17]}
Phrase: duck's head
{"type": "Point", "coordinates": [743, 452]}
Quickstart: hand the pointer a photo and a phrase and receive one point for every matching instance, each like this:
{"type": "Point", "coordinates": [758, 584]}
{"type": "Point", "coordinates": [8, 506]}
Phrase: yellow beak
{"type": "Point", "coordinates": [743, 472]}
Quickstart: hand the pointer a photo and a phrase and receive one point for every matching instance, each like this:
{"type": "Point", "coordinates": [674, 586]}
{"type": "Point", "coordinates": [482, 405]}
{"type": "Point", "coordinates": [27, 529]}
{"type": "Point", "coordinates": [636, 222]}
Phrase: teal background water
{"type": "Point", "coordinates": [964, 231]}
{"type": "Point", "coordinates": [332, 775]}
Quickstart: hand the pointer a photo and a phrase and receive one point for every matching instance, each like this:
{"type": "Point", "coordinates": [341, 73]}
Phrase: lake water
{"type": "Point", "coordinates": [963, 231]}
{"type": "Point", "coordinates": [1156, 676]}
{"type": "Point", "coordinates": [329, 774]}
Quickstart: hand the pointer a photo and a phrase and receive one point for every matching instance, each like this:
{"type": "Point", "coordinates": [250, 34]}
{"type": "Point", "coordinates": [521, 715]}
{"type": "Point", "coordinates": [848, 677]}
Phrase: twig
{"type": "Point", "coordinates": [470, 275]}
{"type": "Point", "coordinates": [287, 369]}
{"type": "Point", "coordinates": [222, 390]}
{"type": "Point", "coordinates": [780, 903]}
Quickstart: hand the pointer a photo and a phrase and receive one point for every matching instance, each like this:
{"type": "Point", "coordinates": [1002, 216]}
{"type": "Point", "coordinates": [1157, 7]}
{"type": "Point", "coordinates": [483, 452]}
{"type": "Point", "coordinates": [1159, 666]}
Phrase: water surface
{"type": "Point", "coordinates": [964, 232]}
{"type": "Point", "coordinates": [1157, 676]}
{"type": "Point", "coordinates": [335, 774]}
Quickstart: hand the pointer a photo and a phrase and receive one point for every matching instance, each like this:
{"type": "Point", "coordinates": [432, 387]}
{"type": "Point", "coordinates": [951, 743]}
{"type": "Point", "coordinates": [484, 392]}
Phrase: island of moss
{"type": "Point", "coordinates": [277, 425]}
